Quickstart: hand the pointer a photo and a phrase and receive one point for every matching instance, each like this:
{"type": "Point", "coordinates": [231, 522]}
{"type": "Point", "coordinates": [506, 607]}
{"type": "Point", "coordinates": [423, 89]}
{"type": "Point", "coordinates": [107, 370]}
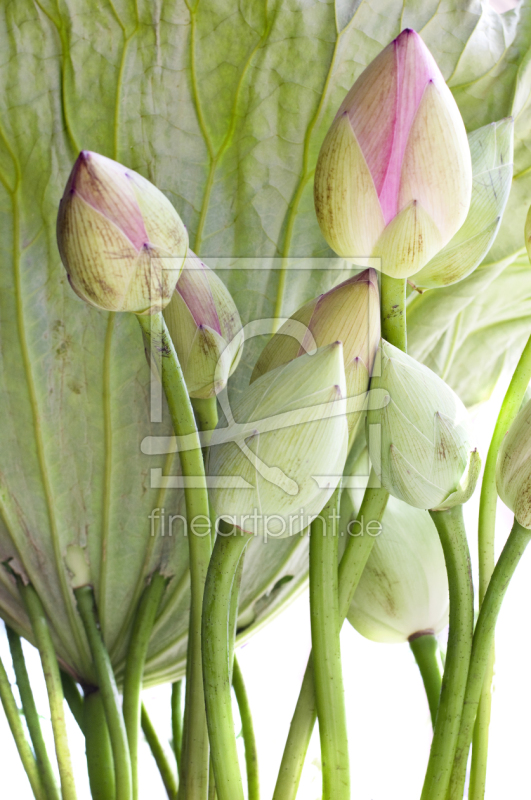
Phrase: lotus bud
{"type": "Point", "coordinates": [283, 456]}
{"type": "Point", "coordinates": [348, 313]}
{"type": "Point", "coordinates": [206, 329]}
{"type": "Point", "coordinates": [403, 590]}
{"type": "Point", "coordinates": [394, 175]}
{"type": "Point", "coordinates": [513, 468]}
{"type": "Point", "coordinates": [121, 241]}
{"type": "Point", "coordinates": [419, 434]}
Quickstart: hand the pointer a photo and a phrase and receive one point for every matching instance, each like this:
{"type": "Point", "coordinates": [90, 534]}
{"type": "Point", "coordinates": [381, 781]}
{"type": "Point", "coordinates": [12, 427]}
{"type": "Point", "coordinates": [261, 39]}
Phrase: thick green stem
{"type": "Point", "coordinates": [326, 652]}
{"type": "Point", "coordinates": [73, 698]}
{"type": "Point", "coordinates": [482, 648]}
{"type": "Point", "coordinates": [109, 692]}
{"type": "Point", "coordinates": [17, 730]}
{"type": "Point", "coordinates": [206, 413]}
{"type": "Point", "coordinates": [30, 713]}
{"type": "Point", "coordinates": [233, 612]}
{"type": "Point", "coordinates": [177, 720]}
{"type": "Point", "coordinates": [425, 649]}
{"type": "Point", "coordinates": [52, 677]}
{"type": "Point", "coordinates": [134, 668]}
{"type": "Point", "coordinates": [393, 310]}
{"type": "Point", "coordinates": [452, 534]}
{"type": "Point", "coordinates": [100, 763]}
{"type": "Point", "coordinates": [480, 738]}
{"type": "Point", "coordinates": [352, 564]}
{"type": "Point", "coordinates": [165, 769]}
{"type": "Point", "coordinates": [212, 794]}
{"type": "Point", "coordinates": [195, 754]}
{"type": "Point", "coordinates": [249, 740]}
{"type": "Point", "coordinates": [486, 535]}
{"type": "Point", "coordinates": [217, 651]}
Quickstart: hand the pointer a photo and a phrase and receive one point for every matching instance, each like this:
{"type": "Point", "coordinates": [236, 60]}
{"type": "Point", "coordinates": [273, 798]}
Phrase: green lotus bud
{"type": "Point", "coordinates": [289, 429]}
{"type": "Point", "coordinates": [348, 313]}
{"type": "Point", "coordinates": [394, 175]}
{"type": "Point", "coordinates": [121, 241]}
{"type": "Point", "coordinates": [403, 590]}
{"type": "Point", "coordinates": [513, 468]}
{"type": "Point", "coordinates": [491, 148]}
{"type": "Point", "coordinates": [205, 327]}
{"type": "Point", "coordinates": [421, 445]}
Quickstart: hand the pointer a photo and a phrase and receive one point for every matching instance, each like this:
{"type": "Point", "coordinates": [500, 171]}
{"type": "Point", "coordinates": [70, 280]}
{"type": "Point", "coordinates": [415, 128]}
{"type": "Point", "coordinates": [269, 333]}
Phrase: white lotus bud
{"type": "Point", "coordinates": [403, 590]}
{"type": "Point", "coordinates": [286, 451]}
{"type": "Point", "coordinates": [419, 434]}
{"type": "Point", "coordinates": [513, 468]}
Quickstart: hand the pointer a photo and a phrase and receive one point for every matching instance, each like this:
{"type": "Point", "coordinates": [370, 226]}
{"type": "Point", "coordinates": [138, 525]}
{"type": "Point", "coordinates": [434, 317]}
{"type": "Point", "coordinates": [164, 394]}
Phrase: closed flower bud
{"type": "Point", "coordinates": [394, 176]}
{"type": "Point", "coordinates": [121, 241]}
{"type": "Point", "coordinates": [418, 434]}
{"type": "Point", "coordinates": [403, 590]}
{"type": "Point", "coordinates": [287, 448]}
{"type": "Point", "coordinates": [513, 469]}
{"type": "Point", "coordinates": [348, 313]}
{"type": "Point", "coordinates": [206, 329]}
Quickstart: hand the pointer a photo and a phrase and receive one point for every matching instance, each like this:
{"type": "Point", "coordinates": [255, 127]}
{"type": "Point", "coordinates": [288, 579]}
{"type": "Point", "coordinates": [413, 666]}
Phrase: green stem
{"type": "Point", "coordinates": [425, 649]}
{"type": "Point", "coordinates": [73, 698]}
{"type": "Point", "coordinates": [15, 724]}
{"type": "Point", "coordinates": [134, 668]}
{"type": "Point", "coordinates": [52, 677]}
{"type": "Point", "coordinates": [486, 535]}
{"type": "Point", "coordinates": [206, 413]}
{"type": "Point", "coordinates": [249, 740]}
{"type": "Point", "coordinates": [482, 648]}
{"type": "Point", "coordinates": [357, 552]}
{"type": "Point", "coordinates": [212, 794]}
{"type": "Point", "coordinates": [452, 534]}
{"type": "Point", "coordinates": [30, 713]}
{"type": "Point", "coordinates": [165, 769]}
{"type": "Point", "coordinates": [228, 551]}
{"type": "Point", "coordinates": [326, 652]}
{"type": "Point", "coordinates": [100, 763]}
{"type": "Point", "coordinates": [195, 755]}
{"type": "Point", "coordinates": [233, 612]}
{"type": "Point", "coordinates": [480, 738]}
{"type": "Point", "coordinates": [177, 720]}
{"type": "Point", "coordinates": [393, 310]}
{"type": "Point", "coordinates": [109, 692]}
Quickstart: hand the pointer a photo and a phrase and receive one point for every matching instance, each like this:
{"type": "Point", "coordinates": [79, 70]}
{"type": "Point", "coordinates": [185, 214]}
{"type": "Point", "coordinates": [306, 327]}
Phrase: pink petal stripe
{"type": "Point", "coordinates": [194, 288]}
{"type": "Point", "coordinates": [381, 107]}
{"type": "Point", "coordinates": [371, 108]}
{"type": "Point", "coordinates": [104, 185]}
{"type": "Point", "coordinates": [414, 65]}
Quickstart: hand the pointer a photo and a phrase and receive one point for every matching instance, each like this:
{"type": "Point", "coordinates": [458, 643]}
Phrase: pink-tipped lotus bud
{"type": "Point", "coordinates": [348, 313]}
{"type": "Point", "coordinates": [206, 329]}
{"type": "Point", "coordinates": [121, 241]}
{"type": "Point", "coordinates": [394, 174]}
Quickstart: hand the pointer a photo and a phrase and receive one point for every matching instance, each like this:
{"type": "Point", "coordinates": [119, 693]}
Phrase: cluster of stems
{"type": "Point", "coordinates": [205, 761]}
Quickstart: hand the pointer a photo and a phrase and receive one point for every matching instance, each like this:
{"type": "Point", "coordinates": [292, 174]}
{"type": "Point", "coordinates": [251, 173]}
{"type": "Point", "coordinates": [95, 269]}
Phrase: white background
{"type": "Point", "coordinates": [389, 726]}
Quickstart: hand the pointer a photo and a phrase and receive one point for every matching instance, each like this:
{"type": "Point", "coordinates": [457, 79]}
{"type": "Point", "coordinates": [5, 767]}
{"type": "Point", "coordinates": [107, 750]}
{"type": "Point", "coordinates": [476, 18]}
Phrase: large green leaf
{"type": "Point", "coordinates": [223, 105]}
